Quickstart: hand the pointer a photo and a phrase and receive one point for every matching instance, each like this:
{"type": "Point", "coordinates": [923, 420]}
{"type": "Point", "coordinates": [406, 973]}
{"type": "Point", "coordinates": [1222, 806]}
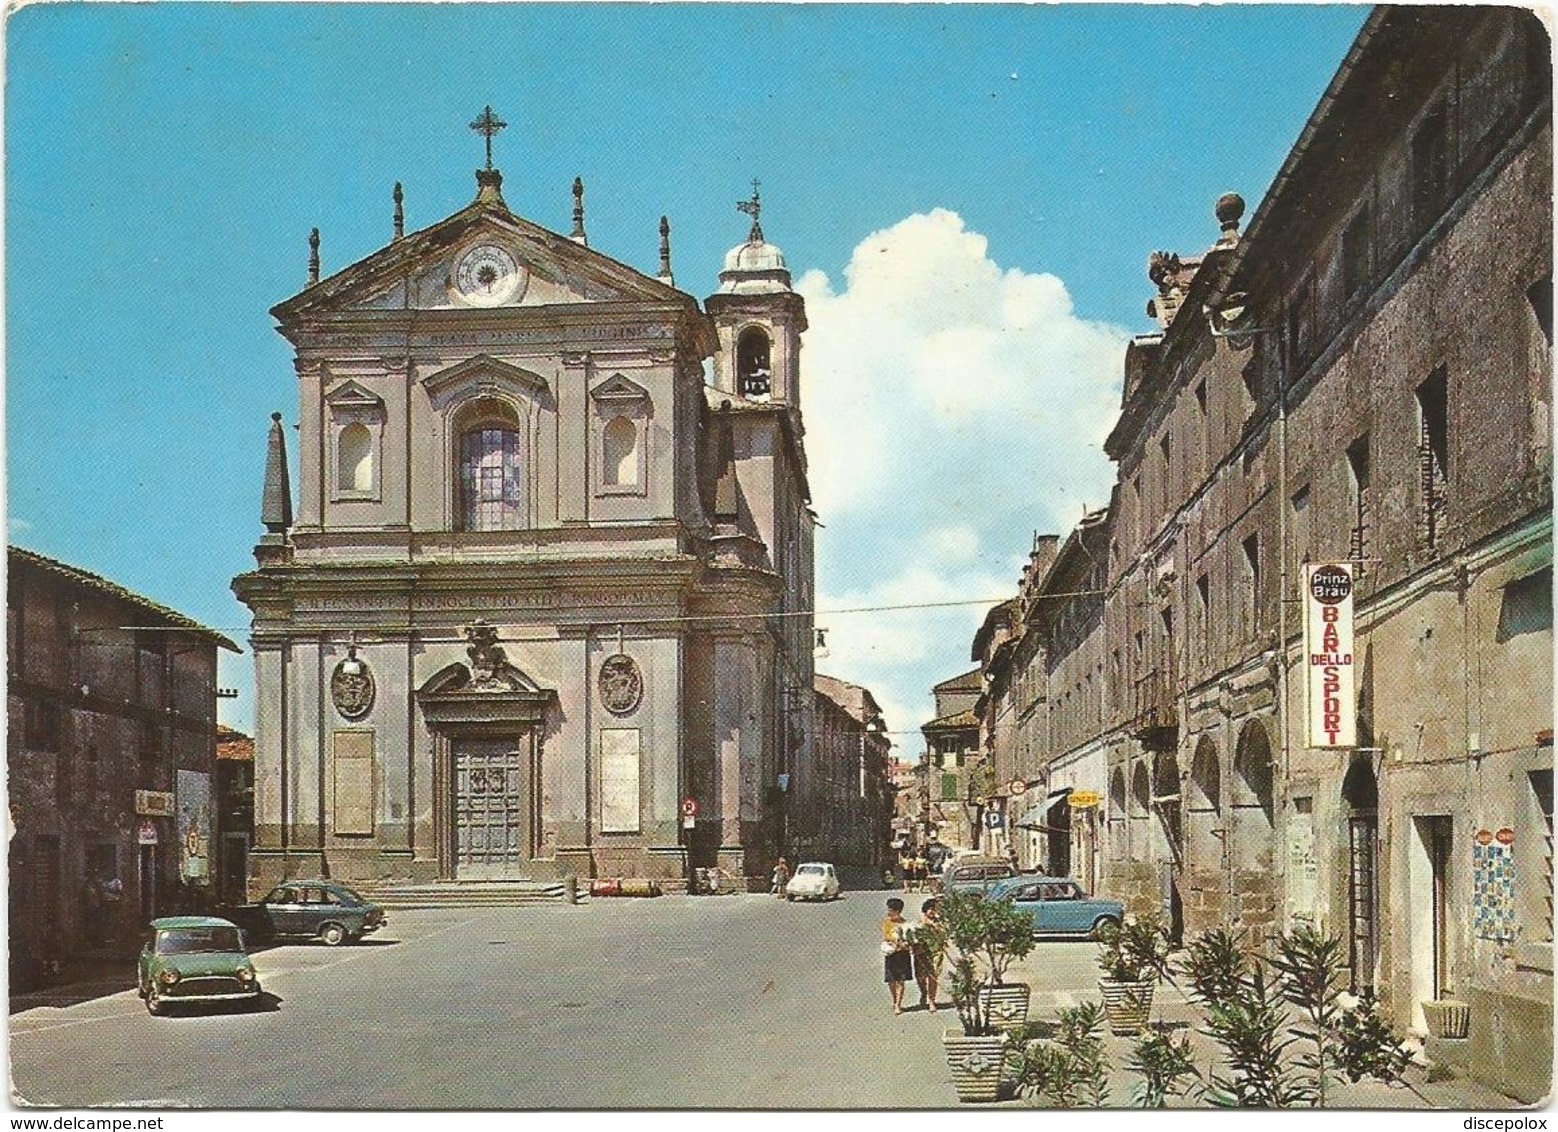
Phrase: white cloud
{"type": "Point", "coordinates": [953, 407]}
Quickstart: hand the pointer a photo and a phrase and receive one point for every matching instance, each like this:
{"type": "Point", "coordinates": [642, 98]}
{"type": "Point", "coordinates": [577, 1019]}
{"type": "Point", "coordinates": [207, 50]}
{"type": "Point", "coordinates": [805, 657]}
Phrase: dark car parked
{"type": "Point", "coordinates": [310, 909]}
{"type": "Point", "coordinates": [974, 874]}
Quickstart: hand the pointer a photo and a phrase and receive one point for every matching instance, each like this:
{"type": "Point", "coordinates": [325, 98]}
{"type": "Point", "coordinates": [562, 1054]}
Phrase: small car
{"type": "Point", "coordinates": [814, 880]}
{"type": "Point", "coordinates": [974, 874]}
{"type": "Point", "coordinates": [1058, 905]}
{"type": "Point", "coordinates": [311, 909]}
{"type": "Point", "coordinates": [194, 959]}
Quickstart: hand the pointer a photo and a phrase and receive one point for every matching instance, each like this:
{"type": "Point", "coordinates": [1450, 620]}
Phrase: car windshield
{"type": "Point", "coordinates": [810, 871]}
{"type": "Point", "coordinates": [350, 895]}
{"type": "Point", "coordinates": [185, 941]}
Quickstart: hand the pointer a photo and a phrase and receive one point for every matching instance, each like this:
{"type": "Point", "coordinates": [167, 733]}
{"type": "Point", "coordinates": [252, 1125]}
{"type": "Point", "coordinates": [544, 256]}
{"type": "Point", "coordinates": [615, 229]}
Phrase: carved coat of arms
{"type": "Point", "coordinates": [621, 684]}
{"type": "Point", "coordinates": [351, 688]}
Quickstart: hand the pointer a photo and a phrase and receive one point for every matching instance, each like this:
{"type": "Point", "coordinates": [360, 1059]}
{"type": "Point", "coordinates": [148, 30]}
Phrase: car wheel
{"type": "Point", "coordinates": [331, 935]}
{"type": "Point", "coordinates": [154, 1003]}
{"type": "Point", "coordinates": [1101, 924]}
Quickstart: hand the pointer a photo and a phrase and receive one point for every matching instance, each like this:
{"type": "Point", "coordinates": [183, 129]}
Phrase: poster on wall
{"type": "Point", "coordinates": [1330, 706]}
{"type": "Point", "coordinates": [1493, 885]}
{"type": "Point", "coordinates": [194, 826]}
{"type": "Point", "coordinates": [1303, 869]}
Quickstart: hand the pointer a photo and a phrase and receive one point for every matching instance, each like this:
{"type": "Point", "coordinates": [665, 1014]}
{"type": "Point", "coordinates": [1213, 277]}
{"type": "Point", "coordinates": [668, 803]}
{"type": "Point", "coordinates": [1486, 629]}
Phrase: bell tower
{"type": "Point", "coordinates": [759, 319]}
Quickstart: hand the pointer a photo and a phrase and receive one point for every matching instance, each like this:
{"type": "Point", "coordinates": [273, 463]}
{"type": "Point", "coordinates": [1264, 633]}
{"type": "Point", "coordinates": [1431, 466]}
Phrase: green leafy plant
{"type": "Point", "coordinates": [1071, 1068]}
{"type": "Point", "coordinates": [1215, 966]}
{"type": "Point", "coordinates": [1166, 1068]}
{"type": "Point", "coordinates": [1250, 1024]}
{"type": "Point", "coordinates": [1311, 972]}
{"type": "Point", "coordinates": [1369, 1048]}
{"type": "Point", "coordinates": [1134, 952]}
{"type": "Point", "coordinates": [982, 938]}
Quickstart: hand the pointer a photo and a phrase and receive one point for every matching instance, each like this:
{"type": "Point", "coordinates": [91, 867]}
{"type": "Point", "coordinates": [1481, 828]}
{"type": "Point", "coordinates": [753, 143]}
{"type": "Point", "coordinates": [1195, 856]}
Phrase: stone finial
{"type": "Point", "coordinates": [665, 252]}
{"type": "Point", "coordinates": [400, 211]}
{"type": "Point", "coordinates": [578, 213]}
{"type": "Point", "coordinates": [1230, 208]}
{"type": "Point", "coordinates": [276, 504]}
{"type": "Point", "coordinates": [313, 256]}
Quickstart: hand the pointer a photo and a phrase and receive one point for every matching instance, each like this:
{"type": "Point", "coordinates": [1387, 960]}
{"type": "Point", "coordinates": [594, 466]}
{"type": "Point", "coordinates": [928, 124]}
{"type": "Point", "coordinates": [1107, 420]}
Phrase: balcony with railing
{"type": "Point", "coordinates": [1154, 708]}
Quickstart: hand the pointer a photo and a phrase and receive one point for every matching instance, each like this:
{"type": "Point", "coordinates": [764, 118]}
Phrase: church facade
{"type": "Point", "coordinates": [544, 605]}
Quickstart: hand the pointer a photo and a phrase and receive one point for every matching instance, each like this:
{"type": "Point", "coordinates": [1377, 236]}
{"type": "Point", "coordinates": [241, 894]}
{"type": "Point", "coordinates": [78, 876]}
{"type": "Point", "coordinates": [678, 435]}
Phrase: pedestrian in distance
{"type": "Point", "coordinates": [905, 870]}
{"type": "Point", "coordinates": [897, 961]}
{"type": "Point", "coordinates": [781, 877]}
{"type": "Point", "coordinates": [927, 957]}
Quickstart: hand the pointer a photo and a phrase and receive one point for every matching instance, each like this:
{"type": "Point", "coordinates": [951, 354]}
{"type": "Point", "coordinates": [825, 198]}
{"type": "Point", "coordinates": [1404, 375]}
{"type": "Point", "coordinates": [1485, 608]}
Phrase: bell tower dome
{"type": "Point", "coordinates": [759, 319]}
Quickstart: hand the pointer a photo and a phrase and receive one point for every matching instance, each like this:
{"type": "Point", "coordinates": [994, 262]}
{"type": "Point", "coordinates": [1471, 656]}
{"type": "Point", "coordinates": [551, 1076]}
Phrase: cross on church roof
{"type": "Point", "coordinates": [753, 208]}
{"type": "Point", "coordinates": [487, 125]}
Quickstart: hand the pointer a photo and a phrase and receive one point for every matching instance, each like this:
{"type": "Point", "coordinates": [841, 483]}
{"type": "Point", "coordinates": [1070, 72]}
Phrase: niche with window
{"type": "Point", "coordinates": [622, 417]}
{"type": "Point", "coordinates": [356, 442]}
{"type": "Point", "coordinates": [491, 479]}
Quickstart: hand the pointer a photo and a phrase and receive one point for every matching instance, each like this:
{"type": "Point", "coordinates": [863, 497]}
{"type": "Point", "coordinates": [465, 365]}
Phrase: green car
{"type": "Point", "coordinates": [195, 959]}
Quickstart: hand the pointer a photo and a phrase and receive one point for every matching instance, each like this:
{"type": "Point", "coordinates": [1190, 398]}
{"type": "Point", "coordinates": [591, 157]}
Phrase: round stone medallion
{"type": "Point", "coordinates": [621, 684]}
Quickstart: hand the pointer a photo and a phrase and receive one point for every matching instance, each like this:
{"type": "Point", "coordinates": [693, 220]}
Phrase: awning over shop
{"type": "Point", "coordinates": [1033, 818]}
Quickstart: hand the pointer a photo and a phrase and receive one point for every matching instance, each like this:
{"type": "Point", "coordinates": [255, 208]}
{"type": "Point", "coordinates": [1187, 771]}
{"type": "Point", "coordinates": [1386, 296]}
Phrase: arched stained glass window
{"type": "Point", "coordinates": [492, 480]}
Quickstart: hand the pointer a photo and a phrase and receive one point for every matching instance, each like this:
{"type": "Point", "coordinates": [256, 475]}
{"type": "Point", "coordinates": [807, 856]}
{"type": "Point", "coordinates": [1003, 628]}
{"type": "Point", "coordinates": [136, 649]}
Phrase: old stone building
{"type": "Point", "coordinates": [111, 740]}
{"type": "Point", "coordinates": [1363, 378]}
{"type": "Point", "coordinates": [545, 584]}
{"type": "Point", "coordinates": [851, 748]}
{"type": "Point", "coordinates": [952, 778]}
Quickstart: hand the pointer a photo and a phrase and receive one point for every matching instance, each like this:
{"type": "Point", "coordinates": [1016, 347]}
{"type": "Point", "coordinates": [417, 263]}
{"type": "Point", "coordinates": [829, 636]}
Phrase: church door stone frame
{"type": "Point", "coordinates": [488, 705]}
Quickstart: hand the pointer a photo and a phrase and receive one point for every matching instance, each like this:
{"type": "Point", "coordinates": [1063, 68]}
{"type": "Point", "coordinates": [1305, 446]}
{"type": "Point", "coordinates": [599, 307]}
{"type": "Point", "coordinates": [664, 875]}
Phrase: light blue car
{"type": "Point", "coordinates": [1058, 905]}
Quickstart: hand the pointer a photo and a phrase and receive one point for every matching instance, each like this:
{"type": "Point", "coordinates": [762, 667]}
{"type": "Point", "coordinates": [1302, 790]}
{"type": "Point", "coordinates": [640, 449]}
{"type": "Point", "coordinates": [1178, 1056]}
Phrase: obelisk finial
{"type": "Point", "coordinates": [313, 256]}
{"type": "Point", "coordinates": [578, 212]}
{"type": "Point", "coordinates": [400, 212]}
{"type": "Point", "coordinates": [665, 252]}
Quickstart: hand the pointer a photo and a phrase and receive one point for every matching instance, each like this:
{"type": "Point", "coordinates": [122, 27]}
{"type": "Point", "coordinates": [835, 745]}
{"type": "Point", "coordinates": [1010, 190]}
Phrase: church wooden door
{"type": "Point", "coordinates": [491, 824]}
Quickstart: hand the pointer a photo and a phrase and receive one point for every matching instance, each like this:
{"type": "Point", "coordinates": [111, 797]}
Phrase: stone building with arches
{"type": "Point", "coordinates": [1361, 376]}
{"type": "Point", "coordinates": [547, 586]}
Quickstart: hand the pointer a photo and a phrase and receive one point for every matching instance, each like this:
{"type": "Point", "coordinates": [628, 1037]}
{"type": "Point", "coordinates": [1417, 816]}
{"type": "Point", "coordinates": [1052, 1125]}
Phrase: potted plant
{"type": "Point", "coordinates": [1132, 958]}
{"type": "Point", "coordinates": [981, 939]}
{"type": "Point", "coordinates": [1448, 1017]}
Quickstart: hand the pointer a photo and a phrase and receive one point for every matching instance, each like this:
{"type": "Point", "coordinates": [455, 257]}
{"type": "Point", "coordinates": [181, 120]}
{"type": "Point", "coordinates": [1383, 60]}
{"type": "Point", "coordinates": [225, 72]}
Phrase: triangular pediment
{"type": "Point", "coordinates": [420, 271]}
{"type": "Point", "coordinates": [483, 372]}
{"type": "Point", "coordinates": [617, 389]}
{"type": "Point", "coordinates": [350, 396]}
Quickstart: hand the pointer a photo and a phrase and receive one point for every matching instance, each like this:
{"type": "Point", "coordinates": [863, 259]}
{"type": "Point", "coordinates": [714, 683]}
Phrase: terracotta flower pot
{"type": "Point", "coordinates": [1006, 1005]}
{"type": "Point", "coordinates": [1127, 1006]}
{"type": "Point", "coordinates": [975, 1064]}
{"type": "Point", "coordinates": [1448, 1017]}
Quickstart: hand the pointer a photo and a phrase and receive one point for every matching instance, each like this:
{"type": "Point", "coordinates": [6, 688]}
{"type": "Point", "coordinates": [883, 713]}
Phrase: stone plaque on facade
{"type": "Point", "coordinates": [621, 684]}
{"type": "Point", "coordinates": [351, 688]}
{"type": "Point", "coordinates": [619, 758]}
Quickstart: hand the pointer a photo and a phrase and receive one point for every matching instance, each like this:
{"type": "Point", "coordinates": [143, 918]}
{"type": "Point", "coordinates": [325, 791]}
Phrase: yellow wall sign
{"type": "Point", "coordinates": [1084, 799]}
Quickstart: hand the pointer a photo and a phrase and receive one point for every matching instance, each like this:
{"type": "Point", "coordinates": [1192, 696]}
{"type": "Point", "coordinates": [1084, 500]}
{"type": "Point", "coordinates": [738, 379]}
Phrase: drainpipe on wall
{"type": "Point", "coordinates": [1280, 862]}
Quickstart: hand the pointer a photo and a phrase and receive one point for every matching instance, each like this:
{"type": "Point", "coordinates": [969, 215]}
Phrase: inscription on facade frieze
{"type": "Point", "coordinates": [307, 605]}
{"type": "Point", "coordinates": [483, 601]}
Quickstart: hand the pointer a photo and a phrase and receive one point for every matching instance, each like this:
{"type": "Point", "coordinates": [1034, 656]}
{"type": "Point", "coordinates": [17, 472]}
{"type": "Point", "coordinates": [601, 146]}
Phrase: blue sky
{"type": "Point", "coordinates": [967, 196]}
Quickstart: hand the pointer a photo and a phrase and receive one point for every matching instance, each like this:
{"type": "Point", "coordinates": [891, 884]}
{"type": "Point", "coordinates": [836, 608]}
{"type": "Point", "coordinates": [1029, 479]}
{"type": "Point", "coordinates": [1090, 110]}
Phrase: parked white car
{"type": "Point", "coordinates": [814, 880]}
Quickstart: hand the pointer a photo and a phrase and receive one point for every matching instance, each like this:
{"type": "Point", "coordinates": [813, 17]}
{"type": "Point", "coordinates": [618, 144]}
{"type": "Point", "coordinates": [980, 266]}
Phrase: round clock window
{"type": "Point", "coordinates": [488, 275]}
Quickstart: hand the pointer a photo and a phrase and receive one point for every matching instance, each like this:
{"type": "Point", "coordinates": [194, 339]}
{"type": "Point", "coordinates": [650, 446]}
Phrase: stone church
{"type": "Point", "coordinates": [543, 607]}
